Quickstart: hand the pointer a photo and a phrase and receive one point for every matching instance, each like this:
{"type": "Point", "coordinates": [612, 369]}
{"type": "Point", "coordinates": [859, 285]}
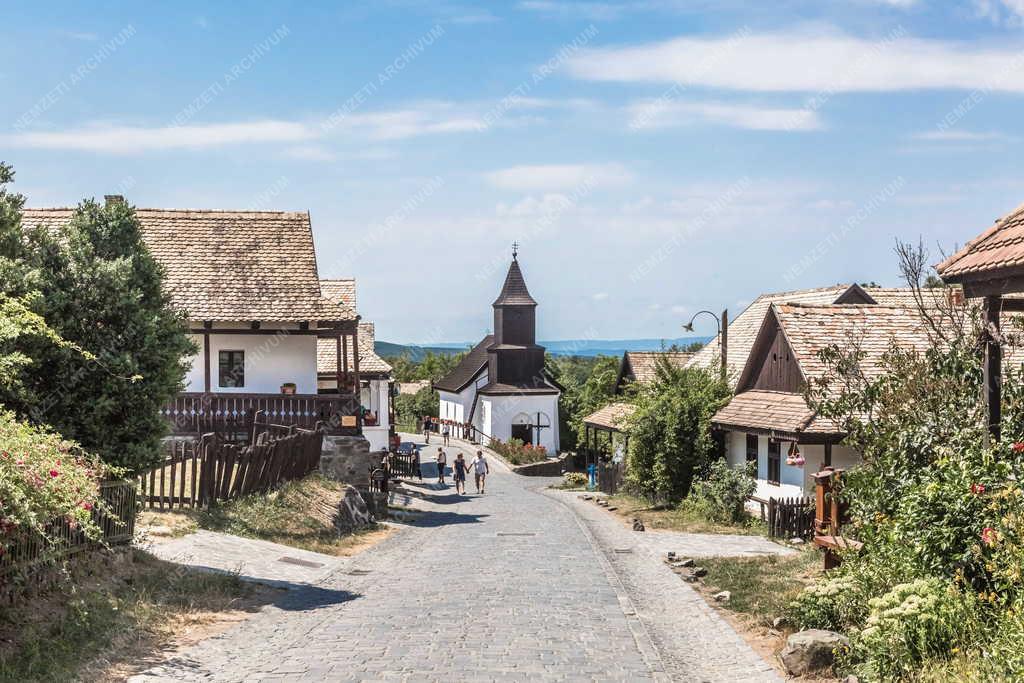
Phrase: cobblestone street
{"type": "Point", "coordinates": [516, 584]}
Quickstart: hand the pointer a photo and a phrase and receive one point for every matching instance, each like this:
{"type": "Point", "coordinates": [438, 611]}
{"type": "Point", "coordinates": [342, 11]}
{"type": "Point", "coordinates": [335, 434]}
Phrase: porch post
{"type": "Point", "coordinates": [828, 453]}
{"type": "Point", "coordinates": [337, 362]}
{"type": "Point", "coordinates": [344, 358]}
{"type": "Point", "coordinates": [725, 345]}
{"type": "Point", "coordinates": [206, 360]}
{"type": "Point", "coordinates": [993, 377]}
{"type": "Point", "coordinates": [355, 379]}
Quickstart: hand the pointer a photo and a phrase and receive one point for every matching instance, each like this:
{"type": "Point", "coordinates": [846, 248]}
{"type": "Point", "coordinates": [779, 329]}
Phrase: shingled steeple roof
{"type": "Point", "coordinates": [514, 292]}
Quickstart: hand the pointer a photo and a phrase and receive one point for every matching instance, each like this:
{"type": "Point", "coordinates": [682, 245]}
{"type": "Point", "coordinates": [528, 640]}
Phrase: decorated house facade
{"type": "Point", "coordinates": [500, 387]}
{"type": "Point", "coordinates": [248, 283]}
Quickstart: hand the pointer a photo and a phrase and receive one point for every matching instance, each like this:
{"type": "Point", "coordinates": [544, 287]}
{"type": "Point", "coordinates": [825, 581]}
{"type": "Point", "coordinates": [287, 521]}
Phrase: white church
{"type": "Point", "coordinates": [501, 387]}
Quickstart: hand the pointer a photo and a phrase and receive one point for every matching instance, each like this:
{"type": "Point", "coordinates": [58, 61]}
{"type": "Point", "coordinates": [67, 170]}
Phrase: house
{"type": "Point", "coordinates": [500, 387]}
{"type": "Point", "coordinates": [248, 282]}
{"type": "Point", "coordinates": [769, 422]}
{"type": "Point", "coordinates": [641, 366]}
{"type": "Point", "coordinates": [744, 328]}
{"type": "Point", "coordinates": [376, 386]}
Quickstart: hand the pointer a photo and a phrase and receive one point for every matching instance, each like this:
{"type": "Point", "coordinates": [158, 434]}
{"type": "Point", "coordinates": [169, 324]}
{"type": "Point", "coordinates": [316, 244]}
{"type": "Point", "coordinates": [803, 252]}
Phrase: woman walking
{"type": "Point", "coordinates": [459, 469]}
{"type": "Point", "coordinates": [442, 460]}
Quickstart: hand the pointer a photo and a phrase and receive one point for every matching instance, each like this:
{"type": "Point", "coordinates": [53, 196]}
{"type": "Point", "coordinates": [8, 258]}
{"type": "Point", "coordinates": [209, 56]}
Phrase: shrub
{"type": "Point", "coordinates": [910, 624]}
{"type": "Point", "coordinates": [721, 497]}
{"type": "Point", "coordinates": [574, 480]}
{"type": "Point", "coordinates": [517, 452]}
{"type": "Point", "coordinates": [44, 477]}
{"type": "Point", "coordinates": [832, 604]}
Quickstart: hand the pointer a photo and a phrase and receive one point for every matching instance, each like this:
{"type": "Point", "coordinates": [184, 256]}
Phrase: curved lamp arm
{"type": "Point", "coordinates": [689, 326]}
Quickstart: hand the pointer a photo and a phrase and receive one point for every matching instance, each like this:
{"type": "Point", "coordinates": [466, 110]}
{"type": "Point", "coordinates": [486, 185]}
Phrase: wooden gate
{"type": "Point", "coordinates": [791, 517]}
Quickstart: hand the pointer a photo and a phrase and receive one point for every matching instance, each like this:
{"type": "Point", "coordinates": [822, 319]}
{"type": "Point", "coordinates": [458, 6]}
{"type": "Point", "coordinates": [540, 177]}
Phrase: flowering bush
{"type": "Point", "coordinates": [518, 452]}
{"type": "Point", "coordinates": [43, 478]}
{"type": "Point", "coordinates": [911, 623]}
{"type": "Point", "coordinates": [574, 480]}
{"type": "Point", "coordinates": [830, 604]}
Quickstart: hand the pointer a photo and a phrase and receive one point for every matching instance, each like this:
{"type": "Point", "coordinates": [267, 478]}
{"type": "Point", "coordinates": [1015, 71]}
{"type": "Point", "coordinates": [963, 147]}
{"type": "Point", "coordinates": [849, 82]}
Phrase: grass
{"type": "Point", "coordinates": [761, 587]}
{"type": "Point", "coordinates": [130, 612]}
{"type": "Point", "coordinates": [678, 518]}
{"type": "Point", "coordinates": [300, 514]}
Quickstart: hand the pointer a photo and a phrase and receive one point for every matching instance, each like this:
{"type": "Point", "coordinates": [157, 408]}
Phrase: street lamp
{"type": "Point", "coordinates": [723, 334]}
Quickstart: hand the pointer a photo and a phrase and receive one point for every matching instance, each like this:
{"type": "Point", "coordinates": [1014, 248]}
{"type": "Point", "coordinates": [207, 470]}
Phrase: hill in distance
{"type": "Point", "coordinates": [562, 347]}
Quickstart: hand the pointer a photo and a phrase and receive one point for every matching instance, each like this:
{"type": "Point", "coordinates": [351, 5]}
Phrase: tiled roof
{"type": "Point", "coordinates": [472, 363]}
{"type": "Point", "coordinates": [514, 291]}
{"type": "Point", "coordinates": [743, 328]}
{"type": "Point", "coordinates": [230, 265]}
{"type": "Point", "coordinates": [341, 291]}
{"type": "Point", "coordinates": [369, 361]}
{"type": "Point", "coordinates": [871, 329]}
{"type": "Point", "coordinates": [779, 411]}
{"type": "Point", "coordinates": [991, 253]}
{"type": "Point", "coordinates": [644, 364]}
{"type": "Point", "coordinates": [611, 416]}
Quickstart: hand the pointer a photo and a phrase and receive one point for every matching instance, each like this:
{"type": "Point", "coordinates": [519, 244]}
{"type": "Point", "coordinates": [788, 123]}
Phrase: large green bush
{"type": "Point", "coordinates": [670, 441]}
{"type": "Point", "coordinates": [722, 495]}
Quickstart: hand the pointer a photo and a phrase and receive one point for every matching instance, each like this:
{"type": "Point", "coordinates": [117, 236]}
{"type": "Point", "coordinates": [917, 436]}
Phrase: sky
{"type": "Point", "coordinates": [652, 158]}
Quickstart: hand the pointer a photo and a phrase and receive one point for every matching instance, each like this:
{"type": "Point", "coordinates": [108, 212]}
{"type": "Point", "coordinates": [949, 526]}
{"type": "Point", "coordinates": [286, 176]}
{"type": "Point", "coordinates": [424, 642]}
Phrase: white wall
{"type": "Point", "coordinates": [500, 411]}
{"type": "Point", "coordinates": [794, 480]}
{"type": "Point", "coordinates": [270, 361]}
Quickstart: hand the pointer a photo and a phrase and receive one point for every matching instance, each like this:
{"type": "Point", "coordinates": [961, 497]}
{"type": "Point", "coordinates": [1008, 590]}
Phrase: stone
{"type": "Point", "coordinates": [778, 622]}
{"type": "Point", "coordinates": [348, 459]}
{"type": "Point", "coordinates": [687, 562]}
{"type": "Point", "coordinates": [603, 503]}
{"type": "Point", "coordinates": [700, 571]}
{"type": "Point", "coordinates": [671, 555]}
{"type": "Point", "coordinates": [796, 540]}
{"type": "Point", "coordinates": [690, 578]}
{"type": "Point", "coordinates": [724, 596]}
{"type": "Point", "coordinates": [352, 513]}
{"type": "Point", "coordinates": [638, 525]}
{"type": "Point", "coordinates": [811, 651]}
{"type": "Point", "coordinates": [611, 507]}
{"type": "Point", "coordinates": [587, 497]}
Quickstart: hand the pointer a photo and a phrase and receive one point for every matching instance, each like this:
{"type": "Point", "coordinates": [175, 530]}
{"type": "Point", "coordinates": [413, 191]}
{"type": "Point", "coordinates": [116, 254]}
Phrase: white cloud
{"type": "Point", "coordinates": [679, 310]}
{"type": "Point", "coordinates": [129, 139]}
{"type": "Point", "coordinates": [551, 177]}
{"type": "Point", "coordinates": [658, 113]}
{"type": "Point", "coordinates": [950, 135]}
{"type": "Point", "coordinates": [532, 206]}
{"type": "Point", "coordinates": [599, 296]}
{"type": "Point", "coordinates": [1009, 12]}
{"type": "Point", "coordinates": [806, 60]}
{"type": "Point", "coordinates": [310, 153]}
{"type": "Point", "coordinates": [595, 11]}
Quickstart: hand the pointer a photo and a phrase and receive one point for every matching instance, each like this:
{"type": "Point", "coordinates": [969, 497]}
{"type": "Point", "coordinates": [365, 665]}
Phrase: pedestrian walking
{"type": "Point", "coordinates": [445, 432]}
{"type": "Point", "coordinates": [426, 428]}
{"type": "Point", "coordinates": [459, 469]}
{"type": "Point", "coordinates": [480, 470]}
{"type": "Point", "coordinates": [442, 460]}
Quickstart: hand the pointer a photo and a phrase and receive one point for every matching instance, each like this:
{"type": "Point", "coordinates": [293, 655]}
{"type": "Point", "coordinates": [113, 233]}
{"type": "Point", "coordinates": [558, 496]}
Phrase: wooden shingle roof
{"type": "Point", "coordinates": [341, 291]}
{"type": "Point", "coordinates": [612, 416]}
{"type": "Point", "coordinates": [467, 369]}
{"type": "Point", "coordinates": [641, 366]}
{"type": "Point", "coordinates": [369, 361]}
{"type": "Point", "coordinates": [230, 265]}
{"type": "Point", "coordinates": [514, 291]}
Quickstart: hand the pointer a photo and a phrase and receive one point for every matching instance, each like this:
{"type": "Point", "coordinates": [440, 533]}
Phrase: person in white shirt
{"type": "Point", "coordinates": [442, 460]}
{"type": "Point", "coordinates": [480, 470]}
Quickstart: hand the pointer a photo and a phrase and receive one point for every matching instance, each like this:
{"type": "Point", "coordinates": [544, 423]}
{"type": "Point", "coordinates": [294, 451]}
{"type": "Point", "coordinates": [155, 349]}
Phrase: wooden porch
{"type": "Point", "coordinates": [195, 413]}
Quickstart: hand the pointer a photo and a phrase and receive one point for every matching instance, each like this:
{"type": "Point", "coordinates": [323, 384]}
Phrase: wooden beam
{"type": "Point", "coordinates": [206, 362]}
{"type": "Point", "coordinates": [337, 363]}
{"type": "Point", "coordinates": [828, 453]}
{"type": "Point", "coordinates": [344, 363]}
{"type": "Point", "coordinates": [725, 345]}
{"type": "Point", "coordinates": [993, 366]}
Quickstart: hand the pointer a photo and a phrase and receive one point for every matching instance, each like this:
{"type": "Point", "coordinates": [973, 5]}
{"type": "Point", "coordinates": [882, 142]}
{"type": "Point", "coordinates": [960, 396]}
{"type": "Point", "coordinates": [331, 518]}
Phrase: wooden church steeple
{"type": "Point", "coordinates": [515, 359]}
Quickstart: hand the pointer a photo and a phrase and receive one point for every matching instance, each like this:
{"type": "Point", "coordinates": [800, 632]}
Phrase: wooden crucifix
{"type": "Point", "coordinates": [536, 433]}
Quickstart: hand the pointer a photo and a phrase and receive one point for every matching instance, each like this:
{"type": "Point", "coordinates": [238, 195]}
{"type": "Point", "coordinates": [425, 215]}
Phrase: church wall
{"type": "Point", "coordinates": [502, 410]}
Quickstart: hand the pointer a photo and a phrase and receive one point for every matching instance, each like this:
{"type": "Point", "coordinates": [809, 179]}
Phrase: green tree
{"type": "Point", "coordinates": [411, 408]}
{"type": "Point", "coordinates": [97, 286]}
{"type": "Point", "coordinates": [589, 383]}
{"type": "Point", "coordinates": [670, 440]}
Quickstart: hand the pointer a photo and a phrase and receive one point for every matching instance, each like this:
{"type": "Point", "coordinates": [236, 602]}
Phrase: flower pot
{"type": "Point", "coordinates": [288, 388]}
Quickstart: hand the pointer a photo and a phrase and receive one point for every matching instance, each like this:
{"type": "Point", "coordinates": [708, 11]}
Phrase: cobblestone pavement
{"type": "Point", "coordinates": [510, 585]}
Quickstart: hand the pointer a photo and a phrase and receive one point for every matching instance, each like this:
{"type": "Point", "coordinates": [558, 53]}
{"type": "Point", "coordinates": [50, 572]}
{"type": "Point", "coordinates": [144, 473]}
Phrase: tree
{"type": "Point", "coordinates": [411, 408]}
{"type": "Point", "coordinates": [589, 384]}
{"type": "Point", "coordinates": [670, 440]}
{"type": "Point", "coordinates": [97, 286]}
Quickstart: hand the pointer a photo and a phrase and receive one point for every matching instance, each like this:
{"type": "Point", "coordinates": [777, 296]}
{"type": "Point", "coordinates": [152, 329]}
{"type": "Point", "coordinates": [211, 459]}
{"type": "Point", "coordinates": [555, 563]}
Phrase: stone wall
{"type": "Point", "coordinates": [546, 468]}
{"type": "Point", "coordinates": [348, 459]}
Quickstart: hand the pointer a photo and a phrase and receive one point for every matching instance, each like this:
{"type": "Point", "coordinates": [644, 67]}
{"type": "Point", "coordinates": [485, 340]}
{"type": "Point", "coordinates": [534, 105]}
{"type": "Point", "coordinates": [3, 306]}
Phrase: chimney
{"type": "Point", "coordinates": [111, 199]}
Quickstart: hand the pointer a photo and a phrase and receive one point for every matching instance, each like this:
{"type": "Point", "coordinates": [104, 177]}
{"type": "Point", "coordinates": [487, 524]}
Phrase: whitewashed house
{"type": "Point", "coordinates": [376, 384]}
{"type": "Point", "coordinates": [248, 282]}
{"type": "Point", "coordinates": [500, 387]}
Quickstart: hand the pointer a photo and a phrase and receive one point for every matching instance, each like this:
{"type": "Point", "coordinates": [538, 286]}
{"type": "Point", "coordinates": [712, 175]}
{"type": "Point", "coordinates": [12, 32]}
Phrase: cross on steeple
{"type": "Point", "coordinates": [515, 250]}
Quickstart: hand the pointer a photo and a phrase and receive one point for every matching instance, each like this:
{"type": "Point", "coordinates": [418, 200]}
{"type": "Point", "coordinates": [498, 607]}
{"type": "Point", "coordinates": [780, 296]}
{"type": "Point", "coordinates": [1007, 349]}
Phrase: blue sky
{"type": "Point", "coordinates": [653, 157]}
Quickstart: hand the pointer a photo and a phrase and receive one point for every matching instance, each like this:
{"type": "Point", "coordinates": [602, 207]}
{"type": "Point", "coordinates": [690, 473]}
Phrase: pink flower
{"type": "Point", "coordinates": [1018, 447]}
{"type": "Point", "coordinates": [54, 474]}
{"type": "Point", "coordinates": [977, 489]}
{"type": "Point", "coordinates": [87, 506]}
{"type": "Point", "coordinates": [988, 535]}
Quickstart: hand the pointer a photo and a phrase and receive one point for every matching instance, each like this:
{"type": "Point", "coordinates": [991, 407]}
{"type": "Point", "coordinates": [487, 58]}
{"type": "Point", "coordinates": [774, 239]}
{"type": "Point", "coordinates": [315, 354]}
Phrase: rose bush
{"type": "Point", "coordinates": [43, 478]}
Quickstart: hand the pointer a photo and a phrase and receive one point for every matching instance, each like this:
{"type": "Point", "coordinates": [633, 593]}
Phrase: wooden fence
{"type": "Point", "coordinates": [610, 476]}
{"type": "Point", "coordinates": [115, 516]}
{"type": "Point", "coordinates": [403, 464]}
{"type": "Point", "coordinates": [198, 473]}
{"type": "Point", "coordinates": [791, 517]}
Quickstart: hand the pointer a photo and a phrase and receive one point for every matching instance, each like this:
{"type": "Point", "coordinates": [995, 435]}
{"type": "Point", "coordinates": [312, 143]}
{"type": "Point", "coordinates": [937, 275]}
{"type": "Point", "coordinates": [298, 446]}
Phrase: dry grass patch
{"type": "Point", "coordinates": [108, 622]}
{"type": "Point", "coordinates": [677, 518]}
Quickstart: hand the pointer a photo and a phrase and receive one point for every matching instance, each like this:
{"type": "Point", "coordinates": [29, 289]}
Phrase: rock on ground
{"type": "Point", "coordinates": [811, 651]}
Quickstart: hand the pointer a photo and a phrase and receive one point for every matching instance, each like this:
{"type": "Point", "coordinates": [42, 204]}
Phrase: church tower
{"type": "Point", "coordinates": [515, 359]}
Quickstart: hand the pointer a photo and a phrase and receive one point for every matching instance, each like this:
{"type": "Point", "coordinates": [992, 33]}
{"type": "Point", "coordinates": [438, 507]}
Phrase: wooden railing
{"type": "Point", "coordinates": [197, 473]}
{"type": "Point", "coordinates": [610, 476]}
{"type": "Point", "coordinates": [233, 415]}
{"type": "Point", "coordinates": [115, 516]}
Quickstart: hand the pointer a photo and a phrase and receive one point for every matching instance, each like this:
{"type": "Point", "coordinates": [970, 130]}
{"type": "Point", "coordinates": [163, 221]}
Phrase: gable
{"type": "Point", "coordinates": [855, 294]}
{"type": "Point", "coordinates": [772, 365]}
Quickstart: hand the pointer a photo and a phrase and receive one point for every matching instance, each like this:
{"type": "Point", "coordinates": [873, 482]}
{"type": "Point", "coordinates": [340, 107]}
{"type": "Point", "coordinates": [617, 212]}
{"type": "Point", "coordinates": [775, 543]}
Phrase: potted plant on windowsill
{"type": "Point", "coordinates": [288, 388]}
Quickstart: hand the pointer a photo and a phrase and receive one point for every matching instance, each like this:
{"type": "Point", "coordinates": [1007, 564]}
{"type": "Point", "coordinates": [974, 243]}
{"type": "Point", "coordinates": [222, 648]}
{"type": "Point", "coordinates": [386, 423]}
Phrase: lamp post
{"type": "Point", "coordinates": [723, 335]}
